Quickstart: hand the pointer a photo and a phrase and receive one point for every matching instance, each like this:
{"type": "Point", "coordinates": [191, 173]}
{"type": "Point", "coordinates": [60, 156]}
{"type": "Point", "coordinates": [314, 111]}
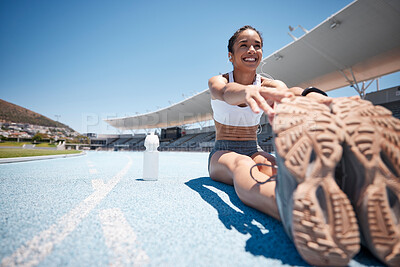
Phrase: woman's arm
{"type": "Point", "coordinates": [297, 91]}
{"type": "Point", "coordinates": [281, 86]}
{"type": "Point", "coordinates": [316, 96]}
{"type": "Point", "coordinates": [254, 96]}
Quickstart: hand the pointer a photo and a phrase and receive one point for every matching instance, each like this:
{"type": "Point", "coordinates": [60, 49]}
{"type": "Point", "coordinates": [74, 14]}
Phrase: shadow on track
{"type": "Point", "coordinates": [271, 242]}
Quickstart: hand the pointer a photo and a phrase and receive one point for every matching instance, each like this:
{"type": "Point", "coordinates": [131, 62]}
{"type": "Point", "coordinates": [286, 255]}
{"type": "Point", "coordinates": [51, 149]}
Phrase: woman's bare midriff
{"type": "Point", "coordinates": [235, 133]}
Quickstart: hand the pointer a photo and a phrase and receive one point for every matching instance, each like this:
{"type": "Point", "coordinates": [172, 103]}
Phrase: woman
{"type": "Point", "coordinates": [242, 93]}
{"type": "Point", "coordinates": [238, 100]}
{"type": "Point", "coordinates": [323, 226]}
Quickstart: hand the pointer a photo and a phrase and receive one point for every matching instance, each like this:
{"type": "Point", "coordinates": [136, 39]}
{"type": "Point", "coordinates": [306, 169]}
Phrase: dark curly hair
{"type": "Point", "coordinates": [232, 40]}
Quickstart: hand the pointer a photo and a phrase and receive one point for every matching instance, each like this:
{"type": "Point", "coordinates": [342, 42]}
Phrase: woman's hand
{"type": "Point", "coordinates": [320, 98]}
{"type": "Point", "coordinates": [257, 97]}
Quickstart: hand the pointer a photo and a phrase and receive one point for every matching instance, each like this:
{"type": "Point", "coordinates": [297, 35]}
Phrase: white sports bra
{"type": "Point", "coordinates": [233, 115]}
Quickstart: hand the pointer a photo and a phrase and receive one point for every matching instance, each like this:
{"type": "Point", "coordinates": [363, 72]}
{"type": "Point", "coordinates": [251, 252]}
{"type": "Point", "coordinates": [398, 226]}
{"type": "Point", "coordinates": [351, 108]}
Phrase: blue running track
{"type": "Point", "coordinates": [95, 210]}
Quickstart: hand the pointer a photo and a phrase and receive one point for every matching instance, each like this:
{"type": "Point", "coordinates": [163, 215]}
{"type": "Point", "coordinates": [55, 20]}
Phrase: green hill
{"type": "Point", "coordinates": [13, 113]}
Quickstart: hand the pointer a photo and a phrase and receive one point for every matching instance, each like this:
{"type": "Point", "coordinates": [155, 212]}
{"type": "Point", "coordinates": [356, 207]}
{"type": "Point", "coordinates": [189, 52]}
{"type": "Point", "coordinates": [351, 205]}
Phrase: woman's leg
{"type": "Point", "coordinates": [234, 169]}
{"type": "Point", "coordinates": [267, 159]}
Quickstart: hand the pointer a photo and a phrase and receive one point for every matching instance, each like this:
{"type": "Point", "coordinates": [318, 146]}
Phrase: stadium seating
{"type": "Point", "coordinates": [202, 139]}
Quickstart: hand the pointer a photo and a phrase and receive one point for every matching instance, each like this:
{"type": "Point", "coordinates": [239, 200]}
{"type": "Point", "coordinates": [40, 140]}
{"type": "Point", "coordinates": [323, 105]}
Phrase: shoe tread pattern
{"type": "Point", "coordinates": [304, 127]}
{"type": "Point", "coordinates": [321, 244]}
{"type": "Point", "coordinates": [298, 125]}
{"type": "Point", "coordinates": [372, 131]}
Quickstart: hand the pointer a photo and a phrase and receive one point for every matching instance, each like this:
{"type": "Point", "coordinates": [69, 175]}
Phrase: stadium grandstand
{"type": "Point", "coordinates": [353, 48]}
{"type": "Point", "coordinates": [202, 139]}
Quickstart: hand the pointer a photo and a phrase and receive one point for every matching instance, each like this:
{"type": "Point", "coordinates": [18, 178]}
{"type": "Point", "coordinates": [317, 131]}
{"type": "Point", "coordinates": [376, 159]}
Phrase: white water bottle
{"type": "Point", "coordinates": [150, 158]}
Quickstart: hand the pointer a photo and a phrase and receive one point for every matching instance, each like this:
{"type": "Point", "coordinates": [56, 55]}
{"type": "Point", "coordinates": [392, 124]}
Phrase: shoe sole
{"type": "Point", "coordinates": [324, 225]}
{"type": "Point", "coordinates": [372, 146]}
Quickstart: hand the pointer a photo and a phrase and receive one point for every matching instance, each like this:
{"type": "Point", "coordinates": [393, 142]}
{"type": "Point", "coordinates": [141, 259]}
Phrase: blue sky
{"type": "Point", "coordinates": [80, 62]}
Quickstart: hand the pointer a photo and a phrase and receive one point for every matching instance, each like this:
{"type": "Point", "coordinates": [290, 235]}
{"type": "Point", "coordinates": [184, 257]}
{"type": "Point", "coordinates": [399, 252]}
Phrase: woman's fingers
{"type": "Point", "coordinates": [253, 105]}
{"type": "Point", "coordinates": [257, 98]}
{"type": "Point", "coordinates": [325, 100]}
{"type": "Point", "coordinates": [262, 103]}
{"type": "Point", "coordinates": [257, 102]}
{"type": "Point", "coordinates": [275, 95]}
{"type": "Point", "coordinates": [355, 97]}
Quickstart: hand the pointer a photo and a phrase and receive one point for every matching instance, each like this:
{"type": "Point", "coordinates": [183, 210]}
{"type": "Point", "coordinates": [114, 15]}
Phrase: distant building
{"type": "Point", "coordinates": [90, 135]}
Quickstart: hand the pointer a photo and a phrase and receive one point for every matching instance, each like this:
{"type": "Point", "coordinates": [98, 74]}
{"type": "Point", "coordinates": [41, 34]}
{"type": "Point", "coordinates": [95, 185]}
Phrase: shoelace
{"type": "Point", "coordinates": [270, 179]}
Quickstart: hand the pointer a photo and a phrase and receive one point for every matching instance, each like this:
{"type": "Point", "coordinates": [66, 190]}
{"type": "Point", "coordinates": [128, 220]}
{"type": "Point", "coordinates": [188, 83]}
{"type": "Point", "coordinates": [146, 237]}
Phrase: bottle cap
{"type": "Point", "coordinates": [151, 142]}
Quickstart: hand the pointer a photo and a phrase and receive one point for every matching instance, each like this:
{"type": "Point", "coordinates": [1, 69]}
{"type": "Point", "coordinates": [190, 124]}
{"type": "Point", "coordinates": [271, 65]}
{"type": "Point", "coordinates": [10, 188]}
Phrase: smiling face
{"type": "Point", "coordinates": [247, 51]}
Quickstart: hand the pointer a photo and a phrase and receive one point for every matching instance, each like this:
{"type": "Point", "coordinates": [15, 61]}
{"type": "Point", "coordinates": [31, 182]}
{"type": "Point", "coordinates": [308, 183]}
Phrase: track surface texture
{"type": "Point", "coordinates": [95, 210]}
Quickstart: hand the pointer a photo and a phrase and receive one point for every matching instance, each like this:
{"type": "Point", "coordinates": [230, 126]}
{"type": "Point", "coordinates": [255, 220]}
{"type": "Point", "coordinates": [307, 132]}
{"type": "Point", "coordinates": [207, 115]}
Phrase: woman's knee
{"type": "Point", "coordinates": [264, 157]}
{"type": "Point", "coordinates": [268, 163]}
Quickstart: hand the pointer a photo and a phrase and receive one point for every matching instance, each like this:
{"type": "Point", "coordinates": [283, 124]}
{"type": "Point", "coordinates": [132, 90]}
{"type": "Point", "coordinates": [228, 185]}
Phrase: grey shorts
{"type": "Point", "coordinates": [248, 148]}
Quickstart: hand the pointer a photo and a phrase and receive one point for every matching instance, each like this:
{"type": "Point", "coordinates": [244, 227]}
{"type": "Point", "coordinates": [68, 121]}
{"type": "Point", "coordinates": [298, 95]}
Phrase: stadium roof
{"type": "Point", "coordinates": [362, 40]}
{"type": "Point", "coordinates": [359, 43]}
{"type": "Point", "coordinates": [191, 110]}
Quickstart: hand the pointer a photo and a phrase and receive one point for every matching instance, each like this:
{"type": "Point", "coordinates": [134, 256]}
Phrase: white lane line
{"type": "Point", "coordinates": [97, 184]}
{"type": "Point", "coordinates": [92, 171]}
{"type": "Point", "coordinates": [41, 245]}
{"type": "Point", "coordinates": [121, 239]}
